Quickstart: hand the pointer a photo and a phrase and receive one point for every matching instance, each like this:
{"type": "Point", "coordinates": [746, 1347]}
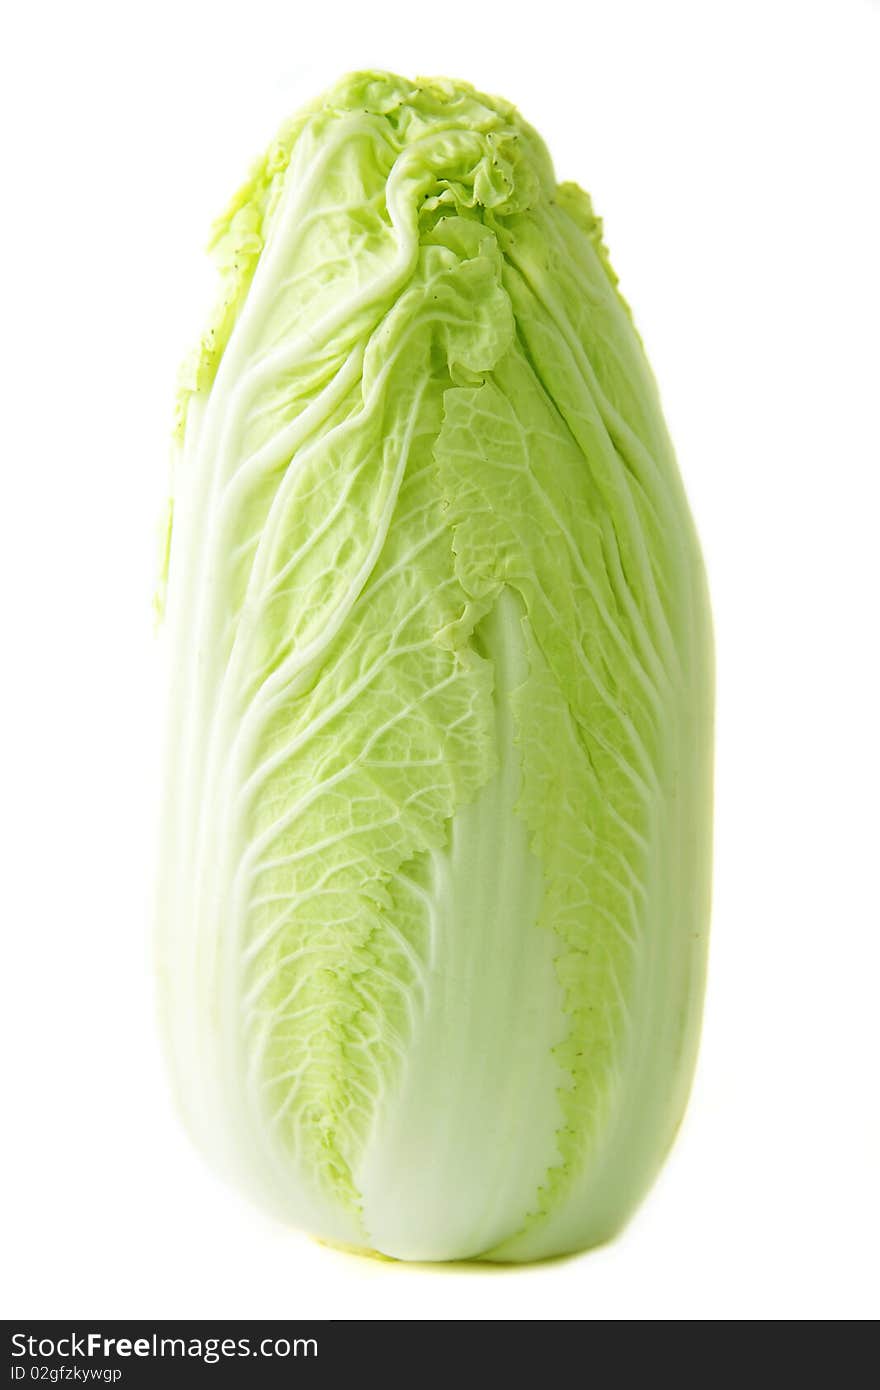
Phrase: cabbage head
{"type": "Point", "coordinates": [436, 827]}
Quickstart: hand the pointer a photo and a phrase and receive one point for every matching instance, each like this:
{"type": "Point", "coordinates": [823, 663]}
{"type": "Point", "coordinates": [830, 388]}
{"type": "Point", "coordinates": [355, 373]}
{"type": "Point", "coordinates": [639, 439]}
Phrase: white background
{"type": "Point", "coordinates": [732, 149]}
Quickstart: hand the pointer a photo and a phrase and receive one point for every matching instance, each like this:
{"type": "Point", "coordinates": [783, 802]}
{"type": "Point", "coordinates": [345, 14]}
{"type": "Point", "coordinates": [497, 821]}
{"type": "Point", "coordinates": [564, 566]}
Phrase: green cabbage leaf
{"type": "Point", "coordinates": [436, 830]}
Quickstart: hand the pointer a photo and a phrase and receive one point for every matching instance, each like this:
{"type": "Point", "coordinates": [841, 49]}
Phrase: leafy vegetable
{"type": "Point", "coordinates": [436, 869]}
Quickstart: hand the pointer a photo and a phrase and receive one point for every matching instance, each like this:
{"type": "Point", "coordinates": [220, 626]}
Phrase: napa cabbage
{"type": "Point", "coordinates": [436, 828]}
